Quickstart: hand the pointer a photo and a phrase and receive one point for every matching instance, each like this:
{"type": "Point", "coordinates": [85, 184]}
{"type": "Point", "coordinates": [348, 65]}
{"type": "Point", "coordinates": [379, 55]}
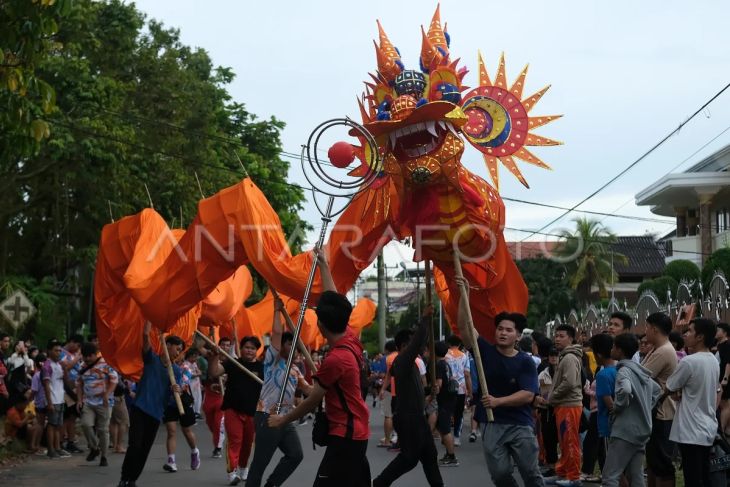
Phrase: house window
{"type": "Point", "coordinates": [722, 220]}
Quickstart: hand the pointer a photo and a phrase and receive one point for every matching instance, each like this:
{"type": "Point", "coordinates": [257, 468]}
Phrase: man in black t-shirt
{"type": "Point", "coordinates": [447, 389]}
{"type": "Point", "coordinates": [414, 434]}
{"type": "Point", "coordinates": [239, 404]}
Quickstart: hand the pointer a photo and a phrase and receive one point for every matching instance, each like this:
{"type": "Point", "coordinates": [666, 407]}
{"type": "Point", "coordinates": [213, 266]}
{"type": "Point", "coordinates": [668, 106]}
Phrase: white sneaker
{"type": "Point", "coordinates": [233, 478]}
{"type": "Point", "coordinates": [243, 473]}
{"type": "Point", "coordinates": [457, 441]}
{"type": "Point", "coordinates": [170, 467]}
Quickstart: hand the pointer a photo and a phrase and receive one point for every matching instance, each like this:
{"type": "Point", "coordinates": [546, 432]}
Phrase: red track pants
{"type": "Point", "coordinates": [213, 414]}
{"type": "Point", "coordinates": [239, 438]}
{"type": "Point", "coordinates": [568, 422]}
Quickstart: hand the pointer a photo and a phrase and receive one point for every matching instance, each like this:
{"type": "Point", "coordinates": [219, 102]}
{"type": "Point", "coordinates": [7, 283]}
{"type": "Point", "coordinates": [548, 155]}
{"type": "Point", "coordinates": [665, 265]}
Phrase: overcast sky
{"type": "Point", "coordinates": [624, 74]}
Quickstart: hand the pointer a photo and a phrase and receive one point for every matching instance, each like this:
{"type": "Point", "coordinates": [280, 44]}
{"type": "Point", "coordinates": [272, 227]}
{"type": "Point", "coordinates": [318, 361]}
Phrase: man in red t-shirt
{"type": "Point", "coordinates": [338, 382]}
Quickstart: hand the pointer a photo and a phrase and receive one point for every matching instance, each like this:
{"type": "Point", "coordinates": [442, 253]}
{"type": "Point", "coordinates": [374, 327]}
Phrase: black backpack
{"type": "Point", "coordinates": [452, 385]}
{"type": "Point", "coordinates": [321, 427]}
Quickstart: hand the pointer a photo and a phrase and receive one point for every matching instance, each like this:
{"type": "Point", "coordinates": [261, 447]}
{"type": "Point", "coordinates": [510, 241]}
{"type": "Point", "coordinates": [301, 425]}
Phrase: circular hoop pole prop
{"type": "Point", "coordinates": [471, 332]}
{"type": "Point", "coordinates": [290, 324]}
{"type": "Point", "coordinates": [230, 357]}
{"type": "Point", "coordinates": [171, 375]}
{"type": "Point", "coordinates": [303, 305]}
{"type": "Point", "coordinates": [333, 188]}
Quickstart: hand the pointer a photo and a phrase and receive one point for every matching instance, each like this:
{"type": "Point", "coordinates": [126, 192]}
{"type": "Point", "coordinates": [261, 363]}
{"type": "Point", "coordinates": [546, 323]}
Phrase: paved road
{"type": "Point", "coordinates": [41, 472]}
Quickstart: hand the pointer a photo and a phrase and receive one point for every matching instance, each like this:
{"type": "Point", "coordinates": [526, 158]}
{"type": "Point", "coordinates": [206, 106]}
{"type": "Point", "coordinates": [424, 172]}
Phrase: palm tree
{"type": "Point", "coordinates": [588, 258]}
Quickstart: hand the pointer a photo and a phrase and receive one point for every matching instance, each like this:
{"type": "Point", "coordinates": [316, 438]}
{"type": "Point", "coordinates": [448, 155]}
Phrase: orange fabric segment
{"type": "Point", "coordinates": [224, 302]}
{"type": "Point", "coordinates": [496, 286]}
{"type": "Point", "coordinates": [362, 315]}
{"type": "Point", "coordinates": [119, 320]}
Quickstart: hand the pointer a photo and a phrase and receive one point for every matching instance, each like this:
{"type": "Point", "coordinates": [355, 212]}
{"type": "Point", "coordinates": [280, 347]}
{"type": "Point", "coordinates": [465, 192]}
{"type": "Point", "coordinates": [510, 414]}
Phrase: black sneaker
{"type": "Point", "coordinates": [472, 437]}
{"type": "Point", "coordinates": [93, 453]}
{"type": "Point", "coordinates": [448, 461]}
{"type": "Point", "coordinates": [217, 453]}
{"type": "Point", "coordinates": [126, 483]}
{"type": "Point", "coordinates": [103, 462]}
{"type": "Point", "coordinates": [72, 448]}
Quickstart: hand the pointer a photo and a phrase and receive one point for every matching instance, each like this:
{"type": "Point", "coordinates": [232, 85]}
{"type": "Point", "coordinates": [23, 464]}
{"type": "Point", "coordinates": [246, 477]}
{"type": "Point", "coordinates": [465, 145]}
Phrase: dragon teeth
{"type": "Point", "coordinates": [451, 129]}
{"type": "Point", "coordinates": [431, 128]}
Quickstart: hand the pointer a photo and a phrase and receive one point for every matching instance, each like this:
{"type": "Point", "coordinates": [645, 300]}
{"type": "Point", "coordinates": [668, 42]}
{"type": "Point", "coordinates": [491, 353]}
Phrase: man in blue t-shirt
{"type": "Point", "coordinates": [154, 393]}
{"type": "Point", "coordinates": [605, 389]}
{"type": "Point", "coordinates": [512, 382]}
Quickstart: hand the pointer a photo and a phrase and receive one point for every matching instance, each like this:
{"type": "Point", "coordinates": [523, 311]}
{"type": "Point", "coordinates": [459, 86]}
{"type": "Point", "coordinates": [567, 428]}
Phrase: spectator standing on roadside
{"type": "Point", "coordinates": [694, 385]}
{"type": "Point", "coordinates": [661, 362]}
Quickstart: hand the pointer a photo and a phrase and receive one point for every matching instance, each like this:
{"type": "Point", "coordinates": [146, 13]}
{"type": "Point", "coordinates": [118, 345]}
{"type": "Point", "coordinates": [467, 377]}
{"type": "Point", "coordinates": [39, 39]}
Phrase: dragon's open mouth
{"type": "Point", "coordinates": [418, 139]}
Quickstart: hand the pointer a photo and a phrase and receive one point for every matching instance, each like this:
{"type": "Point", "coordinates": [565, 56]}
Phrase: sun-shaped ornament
{"type": "Point", "coordinates": [498, 124]}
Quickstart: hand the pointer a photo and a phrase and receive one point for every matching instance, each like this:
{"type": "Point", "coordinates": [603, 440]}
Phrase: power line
{"type": "Point", "coordinates": [637, 161]}
{"type": "Point", "coordinates": [92, 133]}
{"type": "Point", "coordinates": [220, 138]}
{"type": "Point", "coordinates": [298, 157]}
{"type": "Point", "coordinates": [599, 213]}
{"type": "Point", "coordinates": [681, 163]}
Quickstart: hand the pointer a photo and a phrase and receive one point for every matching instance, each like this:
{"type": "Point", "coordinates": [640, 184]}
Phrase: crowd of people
{"type": "Point", "coordinates": [555, 408]}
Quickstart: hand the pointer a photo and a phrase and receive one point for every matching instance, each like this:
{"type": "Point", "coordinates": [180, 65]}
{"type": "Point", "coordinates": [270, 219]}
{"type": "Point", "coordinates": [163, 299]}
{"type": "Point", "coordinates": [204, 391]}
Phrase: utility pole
{"type": "Point", "coordinates": [382, 302]}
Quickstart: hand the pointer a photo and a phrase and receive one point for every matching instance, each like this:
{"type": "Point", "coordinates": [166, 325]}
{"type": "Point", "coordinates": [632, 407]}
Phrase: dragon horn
{"type": "Point", "coordinates": [389, 62]}
{"type": "Point", "coordinates": [436, 32]}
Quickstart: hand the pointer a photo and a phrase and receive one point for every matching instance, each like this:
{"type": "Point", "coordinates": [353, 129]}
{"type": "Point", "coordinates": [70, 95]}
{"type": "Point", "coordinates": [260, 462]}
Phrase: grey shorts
{"type": "Point", "coordinates": [55, 414]}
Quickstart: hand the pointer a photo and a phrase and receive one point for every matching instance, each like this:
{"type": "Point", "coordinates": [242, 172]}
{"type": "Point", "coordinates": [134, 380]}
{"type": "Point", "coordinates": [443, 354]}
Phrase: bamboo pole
{"type": "Point", "coordinates": [471, 332]}
{"type": "Point", "coordinates": [171, 375]}
{"type": "Point", "coordinates": [431, 336]}
{"type": "Point", "coordinates": [236, 345]}
{"type": "Point", "coordinates": [300, 344]}
{"type": "Point", "coordinates": [230, 357]}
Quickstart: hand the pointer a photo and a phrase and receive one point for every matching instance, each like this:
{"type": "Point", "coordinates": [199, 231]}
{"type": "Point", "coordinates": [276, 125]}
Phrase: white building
{"type": "Point", "coordinates": [699, 200]}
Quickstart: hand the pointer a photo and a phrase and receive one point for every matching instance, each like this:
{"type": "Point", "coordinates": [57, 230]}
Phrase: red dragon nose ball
{"type": "Point", "coordinates": [341, 154]}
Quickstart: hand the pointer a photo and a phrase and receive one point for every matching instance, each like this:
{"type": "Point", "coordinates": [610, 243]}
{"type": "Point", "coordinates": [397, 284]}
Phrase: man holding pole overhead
{"type": "Point", "coordinates": [268, 438]}
{"type": "Point", "coordinates": [154, 392]}
{"type": "Point", "coordinates": [338, 382]}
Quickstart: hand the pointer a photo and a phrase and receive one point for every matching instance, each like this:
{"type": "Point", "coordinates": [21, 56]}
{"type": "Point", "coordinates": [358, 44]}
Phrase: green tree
{"type": "Point", "coordinates": [27, 37]}
{"type": "Point", "coordinates": [682, 269]}
{"type": "Point", "coordinates": [136, 109]}
{"type": "Point", "coordinates": [588, 258]}
{"type": "Point", "coordinates": [718, 261]}
{"type": "Point", "coordinates": [549, 292]}
{"type": "Point", "coordinates": [659, 286]}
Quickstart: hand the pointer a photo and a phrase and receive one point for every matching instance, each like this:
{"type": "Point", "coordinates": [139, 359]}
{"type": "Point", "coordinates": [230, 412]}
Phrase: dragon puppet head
{"type": "Point", "coordinates": [421, 118]}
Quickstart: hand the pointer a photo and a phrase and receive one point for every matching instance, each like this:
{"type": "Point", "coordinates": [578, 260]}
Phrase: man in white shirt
{"type": "Point", "coordinates": [694, 385]}
{"type": "Point", "coordinates": [52, 378]}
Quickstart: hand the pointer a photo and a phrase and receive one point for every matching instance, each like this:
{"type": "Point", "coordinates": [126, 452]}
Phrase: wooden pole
{"type": "Point", "coordinates": [230, 357]}
{"type": "Point", "coordinates": [236, 345]}
{"type": "Point", "coordinates": [471, 332]}
{"type": "Point", "coordinates": [171, 375]}
{"type": "Point", "coordinates": [432, 337]}
{"type": "Point", "coordinates": [300, 344]}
